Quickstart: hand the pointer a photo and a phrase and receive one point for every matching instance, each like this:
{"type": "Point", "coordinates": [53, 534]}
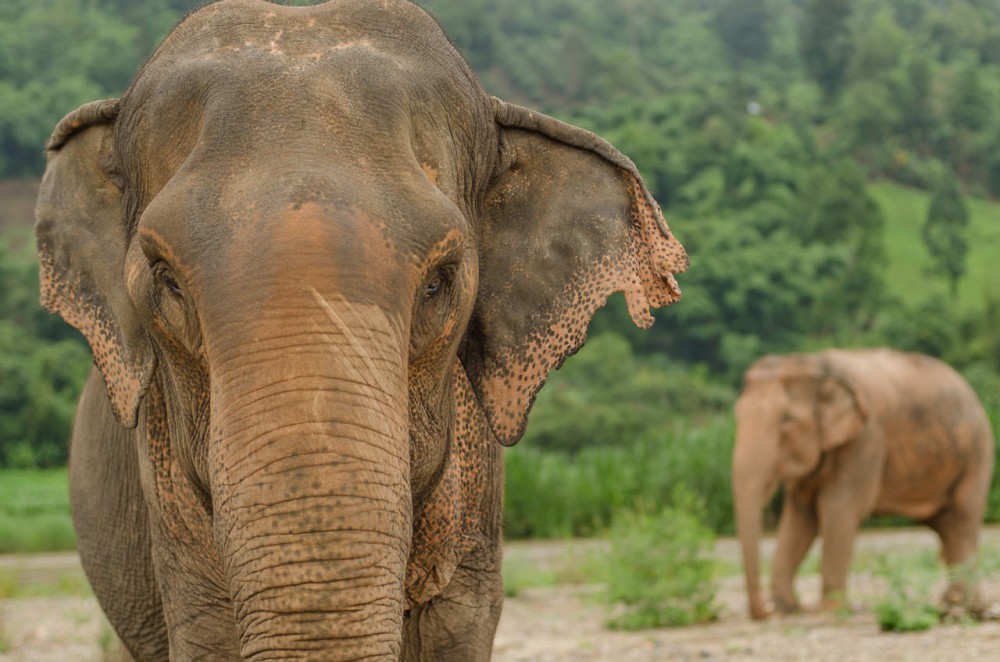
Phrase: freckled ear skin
{"type": "Point", "coordinates": [82, 241]}
{"type": "Point", "coordinates": [567, 221]}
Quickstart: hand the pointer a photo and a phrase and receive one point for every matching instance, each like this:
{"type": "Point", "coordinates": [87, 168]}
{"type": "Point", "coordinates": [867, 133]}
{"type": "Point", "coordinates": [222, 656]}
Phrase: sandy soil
{"type": "Point", "coordinates": [564, 623]}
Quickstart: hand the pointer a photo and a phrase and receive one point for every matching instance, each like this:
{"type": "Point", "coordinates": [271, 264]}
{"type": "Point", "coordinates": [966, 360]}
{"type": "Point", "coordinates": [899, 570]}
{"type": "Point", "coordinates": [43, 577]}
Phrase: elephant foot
{"type": "Point", "coordinates": [990, 612]}
{"type": "Point", "coordinates": [787, 607]}
{"type": "Point", "coordinates": [960, 603]}
{"type": "Point", "coordinates": [840, 608]}
{"type": "Point", "coordinates": [835, 602]}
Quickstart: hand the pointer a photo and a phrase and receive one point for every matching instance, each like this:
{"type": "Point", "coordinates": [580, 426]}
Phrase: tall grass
{"type": "Point", "coordinates": [34, 511]}
{"type": "Point", "coordinates": [553, 495]}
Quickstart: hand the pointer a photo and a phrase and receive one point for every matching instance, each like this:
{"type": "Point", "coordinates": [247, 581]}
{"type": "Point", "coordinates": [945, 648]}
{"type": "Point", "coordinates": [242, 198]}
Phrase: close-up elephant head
{"type": "Point", "coordinates": [792, 411]}
{"type": "Point", "coordinates": [317, 264]}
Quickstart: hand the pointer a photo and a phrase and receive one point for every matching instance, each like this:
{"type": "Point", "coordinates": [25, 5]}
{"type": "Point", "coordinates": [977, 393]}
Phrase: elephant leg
{"type": "Point", "coordinates": [958, 527]}
{"type": "Point", "coordinates": [797, 530]}
{"type": "Point", "coordinates": [458, 625]}
{"type": "Point", "coordinates": [111, 521]}
{"type": "Point", "coordinates": [839, 522]}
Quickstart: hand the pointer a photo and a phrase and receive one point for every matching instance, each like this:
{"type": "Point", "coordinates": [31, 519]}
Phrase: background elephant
{"type": "Point", "coordinates": [850, 433]}
{"type": "Point", "coordinates": [322, 273]}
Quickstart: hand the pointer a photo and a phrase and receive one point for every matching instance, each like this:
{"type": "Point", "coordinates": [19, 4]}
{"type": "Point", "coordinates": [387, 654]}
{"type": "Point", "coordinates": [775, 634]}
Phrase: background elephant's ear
{"type": "Point", "coordinates": [567, 221]}
{"type": "Point", "coordinates": [82, 241]}
{"type": "Point", "coordinates": [843, 413]}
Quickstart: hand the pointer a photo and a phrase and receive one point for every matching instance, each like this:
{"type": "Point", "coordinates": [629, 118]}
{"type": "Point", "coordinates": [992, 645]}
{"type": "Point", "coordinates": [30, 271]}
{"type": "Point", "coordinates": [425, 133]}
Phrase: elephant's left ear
{"type": "Point", "coordinates": [566, 222]}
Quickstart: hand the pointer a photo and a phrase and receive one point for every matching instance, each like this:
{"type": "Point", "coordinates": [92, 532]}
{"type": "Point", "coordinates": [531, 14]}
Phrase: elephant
{"type": "Point", "coordinates": [850, 433]}
{"type": "Point", "coordinates": [323, 275]}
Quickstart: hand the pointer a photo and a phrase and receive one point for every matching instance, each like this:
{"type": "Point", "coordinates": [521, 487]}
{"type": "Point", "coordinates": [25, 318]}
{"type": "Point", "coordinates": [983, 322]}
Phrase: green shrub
{"type": "Point", "coordinates": [660, 566]}
{"type": "Point", "coordinates": [907, 606]}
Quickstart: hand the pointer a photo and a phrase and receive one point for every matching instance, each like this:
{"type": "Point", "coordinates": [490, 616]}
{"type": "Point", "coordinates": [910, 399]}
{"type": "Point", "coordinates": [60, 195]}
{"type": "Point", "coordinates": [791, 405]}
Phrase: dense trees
{"type": "Point", "coordinates": [42, 366]}
{"type": "Point", "coordinates": [57, 54]}
{"type": "Point", "coordinates": [757, 123]}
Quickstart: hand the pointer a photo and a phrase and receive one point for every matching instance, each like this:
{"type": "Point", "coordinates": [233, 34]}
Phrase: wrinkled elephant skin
{"type": "Point", "coordinates": [323, 276]}
{"type": "Point", "coordinates": [850, 433]}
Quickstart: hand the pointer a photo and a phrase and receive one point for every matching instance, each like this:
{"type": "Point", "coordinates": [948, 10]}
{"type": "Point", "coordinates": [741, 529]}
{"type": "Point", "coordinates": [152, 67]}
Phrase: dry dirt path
{"type": "Point", "coordinates": [565, 623]}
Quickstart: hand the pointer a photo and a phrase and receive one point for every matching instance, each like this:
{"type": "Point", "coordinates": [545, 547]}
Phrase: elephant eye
{"type": "Point", "coordinates": [167, 279]}
{"type": "Point", "coordinates": [172, 285]}
{"type": "Point", "coordinates": [436, 285]}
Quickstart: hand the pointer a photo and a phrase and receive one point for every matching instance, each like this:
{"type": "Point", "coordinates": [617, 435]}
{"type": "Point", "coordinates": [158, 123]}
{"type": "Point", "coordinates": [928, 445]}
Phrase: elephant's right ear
{"type": "Point", "coordinates": [843, 413]}
{"type": "Point", "coordinates": [82, 241]}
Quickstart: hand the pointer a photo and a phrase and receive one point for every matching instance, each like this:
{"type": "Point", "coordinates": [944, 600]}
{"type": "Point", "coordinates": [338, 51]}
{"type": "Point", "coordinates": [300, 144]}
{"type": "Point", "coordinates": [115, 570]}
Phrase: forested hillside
{"type": "Point", "coordinates": [830, 165]}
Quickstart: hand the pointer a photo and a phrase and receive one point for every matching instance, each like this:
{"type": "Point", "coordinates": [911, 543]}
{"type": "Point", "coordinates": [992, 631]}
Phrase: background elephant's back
{"type": "Point", "coordinates": [910, 384]}
{"type": "Point", "coordinates": [935, 430]}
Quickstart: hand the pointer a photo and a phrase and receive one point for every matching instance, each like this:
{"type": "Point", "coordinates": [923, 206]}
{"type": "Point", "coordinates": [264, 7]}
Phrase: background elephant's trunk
{"type": "Point", "coordinates": [753, 487]}
{"type": "Point", "coordinates": [310, 484]}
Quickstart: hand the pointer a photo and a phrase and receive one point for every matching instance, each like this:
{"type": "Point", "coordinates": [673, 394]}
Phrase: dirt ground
{"type": "Point", "coordinates": [564, 623]}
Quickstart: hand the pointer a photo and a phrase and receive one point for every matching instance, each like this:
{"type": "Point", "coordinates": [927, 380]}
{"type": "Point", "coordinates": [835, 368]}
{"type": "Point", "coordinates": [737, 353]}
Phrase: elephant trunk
{"type": "Point", "coordinates": [751, 491]}
{"type": "Point", "coordinates": [310, 486]}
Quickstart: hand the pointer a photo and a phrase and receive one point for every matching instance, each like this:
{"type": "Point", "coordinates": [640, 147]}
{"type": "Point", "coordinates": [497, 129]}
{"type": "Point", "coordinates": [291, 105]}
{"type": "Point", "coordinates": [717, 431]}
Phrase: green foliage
{"type": "Point", "coordinates": [46, 70]}
{"type": "Point", "coordinates": [552, 495]}
{"type": "Point", "coordinates": [969, 105]}
{"type": "Point", "coordinates": [660, 566]}
{"type": "Point", "coordinates": [944, 230]}
{"type": "Point", "coordinates": [607, 396]}
{"type": "Point", "coordinates": [45, 533]}
{"type": "Point", "coordinates": [744, 27]}
{"type": "Point", "coordinates": [907, 259]}
{"type": "Point", "coordinates": [907, 605]}
{"type": "Point", "coordinates": [29, 493]}
{"type": "Point", "coordinates": [35, 512]}
{"type": "Point", "coordinates": [825, 42]}
{"type": "Point", "coordinates": [42, 368]}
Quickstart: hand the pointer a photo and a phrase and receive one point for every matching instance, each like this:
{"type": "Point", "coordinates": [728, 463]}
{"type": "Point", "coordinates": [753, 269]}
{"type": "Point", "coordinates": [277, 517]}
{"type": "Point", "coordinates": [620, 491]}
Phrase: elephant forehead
{"type": "Point", "coordinates": [761, 395]}
{"type": "Point", "coordinates": [365, 50]}
{"type": "Point", "coordinates": [281, 89]}
{"type": "Point", "coordinates": [295, 30]}
{"type": "Point", "coordinates": [353, 104]}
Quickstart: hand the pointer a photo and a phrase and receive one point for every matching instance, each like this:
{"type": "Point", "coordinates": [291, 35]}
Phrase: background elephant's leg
{"type": "Point", "coordinates": [111, 521]}
{"type": "Point", "coordinates": [458, 625]}
{"type": "Point", "coordinates": [839, 521]}
{"type": "Point", "coordinates": [958, 527]}
{"type": "Point", "coordinates": [796, 532]}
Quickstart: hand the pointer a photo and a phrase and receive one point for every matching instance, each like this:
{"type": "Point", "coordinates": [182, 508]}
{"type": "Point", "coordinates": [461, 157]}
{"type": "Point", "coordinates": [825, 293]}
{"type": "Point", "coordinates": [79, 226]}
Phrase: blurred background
{"type": "Point", "coordinates": [831, 166]}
